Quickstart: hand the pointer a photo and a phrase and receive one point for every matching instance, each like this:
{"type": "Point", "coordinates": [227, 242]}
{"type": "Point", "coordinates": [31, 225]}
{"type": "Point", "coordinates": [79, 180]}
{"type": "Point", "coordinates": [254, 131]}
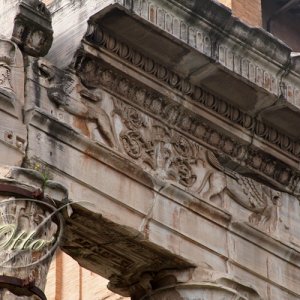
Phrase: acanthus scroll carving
{"type": "Point", "coordinates": [173, 115]}
{"type": "Point", "coordinates": [153, 132]}
{"type": "Point", "coordinates": [164, 151]}
{"type": "Point", "coordinates": [194, 93]}
{"type": "Point", "coordinates": [171, 156]}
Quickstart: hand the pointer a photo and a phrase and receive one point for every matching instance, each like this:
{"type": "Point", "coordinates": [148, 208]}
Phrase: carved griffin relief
{"type": "Point", "coordinates": [158, 147]}
{"type": "Point", "coordinates": [85, 105]}
{"type": "Point", "coordinates": [261, 200]}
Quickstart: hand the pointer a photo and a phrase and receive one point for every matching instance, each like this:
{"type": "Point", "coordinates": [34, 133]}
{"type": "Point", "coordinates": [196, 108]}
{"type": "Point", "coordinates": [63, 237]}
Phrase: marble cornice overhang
{"type": "Point", "coordinates": [248, 67]}
{"type": "Point", "coordinates": [244, 68]}
{"type": "Point", "coordinates": [201, 41]}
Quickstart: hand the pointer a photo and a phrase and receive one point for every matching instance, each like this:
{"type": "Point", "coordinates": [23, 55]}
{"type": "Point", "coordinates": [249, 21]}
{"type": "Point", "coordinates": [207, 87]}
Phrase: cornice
{"type": "Point", "coordinates": [196, 94]}
{"type": "Point", "coordinates": [246, 158]}
{"type": "Point", "coordinates": [206, 31]}
{"type": "Point", "coordinates": [210, 28]}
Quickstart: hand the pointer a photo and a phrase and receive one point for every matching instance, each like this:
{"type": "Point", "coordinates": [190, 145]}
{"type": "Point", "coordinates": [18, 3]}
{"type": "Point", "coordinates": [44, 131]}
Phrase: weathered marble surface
{"type": "Point", "coordinates": [194, 223]}
{"type": "Point", "coordinates": [247, 62]}
{"type": "Point", "coordinates": [216, 216]}
{"type": "Point", "coordinates": [13, 133]}
{"type": "Point", "coordinates": [170, 174]}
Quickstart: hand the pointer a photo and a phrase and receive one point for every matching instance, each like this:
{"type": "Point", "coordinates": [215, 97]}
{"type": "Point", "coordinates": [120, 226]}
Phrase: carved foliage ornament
{"type": "Point", "coordinates": [149, 135]}
{"type": "Point", "coordinates": [172, 115]}
{"type": "Point", "coordinates": [34, 36]}
{"type": "Point", "coordinates": [172, 156]}
{"type": "Point", "coordinates": [195, 93]}
{"type": "Point", "coordinates": [163, 150]}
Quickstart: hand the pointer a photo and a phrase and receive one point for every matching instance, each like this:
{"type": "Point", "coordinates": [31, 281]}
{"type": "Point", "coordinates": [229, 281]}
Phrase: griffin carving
{"type": "Point", "coordinates": [61, 86]}
{"type": "Point", "coordinates": [261, 200]}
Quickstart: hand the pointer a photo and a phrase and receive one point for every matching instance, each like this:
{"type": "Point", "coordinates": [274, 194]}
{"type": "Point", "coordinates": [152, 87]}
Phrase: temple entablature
{"type": "Point", "coordinates": [247, 67]}
{"type": "Point", "coordinates": [233, 110]}
{"type": "Point", "coordinates": [174, 128]}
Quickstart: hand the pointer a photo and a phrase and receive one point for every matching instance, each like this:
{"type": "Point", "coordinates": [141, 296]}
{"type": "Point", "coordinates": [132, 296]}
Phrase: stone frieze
{"type": "Point", "coordinates": [187, 122]}
{"type": "Point", "coordinates": [196, 94]}
{"type": "Point", "coordinates": [168, 141]}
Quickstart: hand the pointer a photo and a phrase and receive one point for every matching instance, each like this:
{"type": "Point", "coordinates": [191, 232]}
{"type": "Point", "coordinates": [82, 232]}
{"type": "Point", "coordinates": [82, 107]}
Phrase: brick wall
{"type": "Point", "coordinates": [227, 3]}
{"type": "Point", "coordinates": [47, 1]}
{"type": "Point", "coordinates": [248, 11]}
{"type": "Point", "coordinates": [68, 281]}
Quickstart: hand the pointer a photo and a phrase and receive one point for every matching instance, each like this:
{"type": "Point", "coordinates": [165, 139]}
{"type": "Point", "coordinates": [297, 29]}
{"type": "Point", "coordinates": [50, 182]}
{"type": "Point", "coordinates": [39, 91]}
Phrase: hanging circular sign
{"type": "Point", "coordinates": [30, 231]}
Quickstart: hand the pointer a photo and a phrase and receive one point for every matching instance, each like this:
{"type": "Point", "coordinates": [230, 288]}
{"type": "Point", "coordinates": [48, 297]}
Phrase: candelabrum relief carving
{"type": "Point", "coordinates": [173, 157]}
{"type": "Point", "coordinates": [168, 154]}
